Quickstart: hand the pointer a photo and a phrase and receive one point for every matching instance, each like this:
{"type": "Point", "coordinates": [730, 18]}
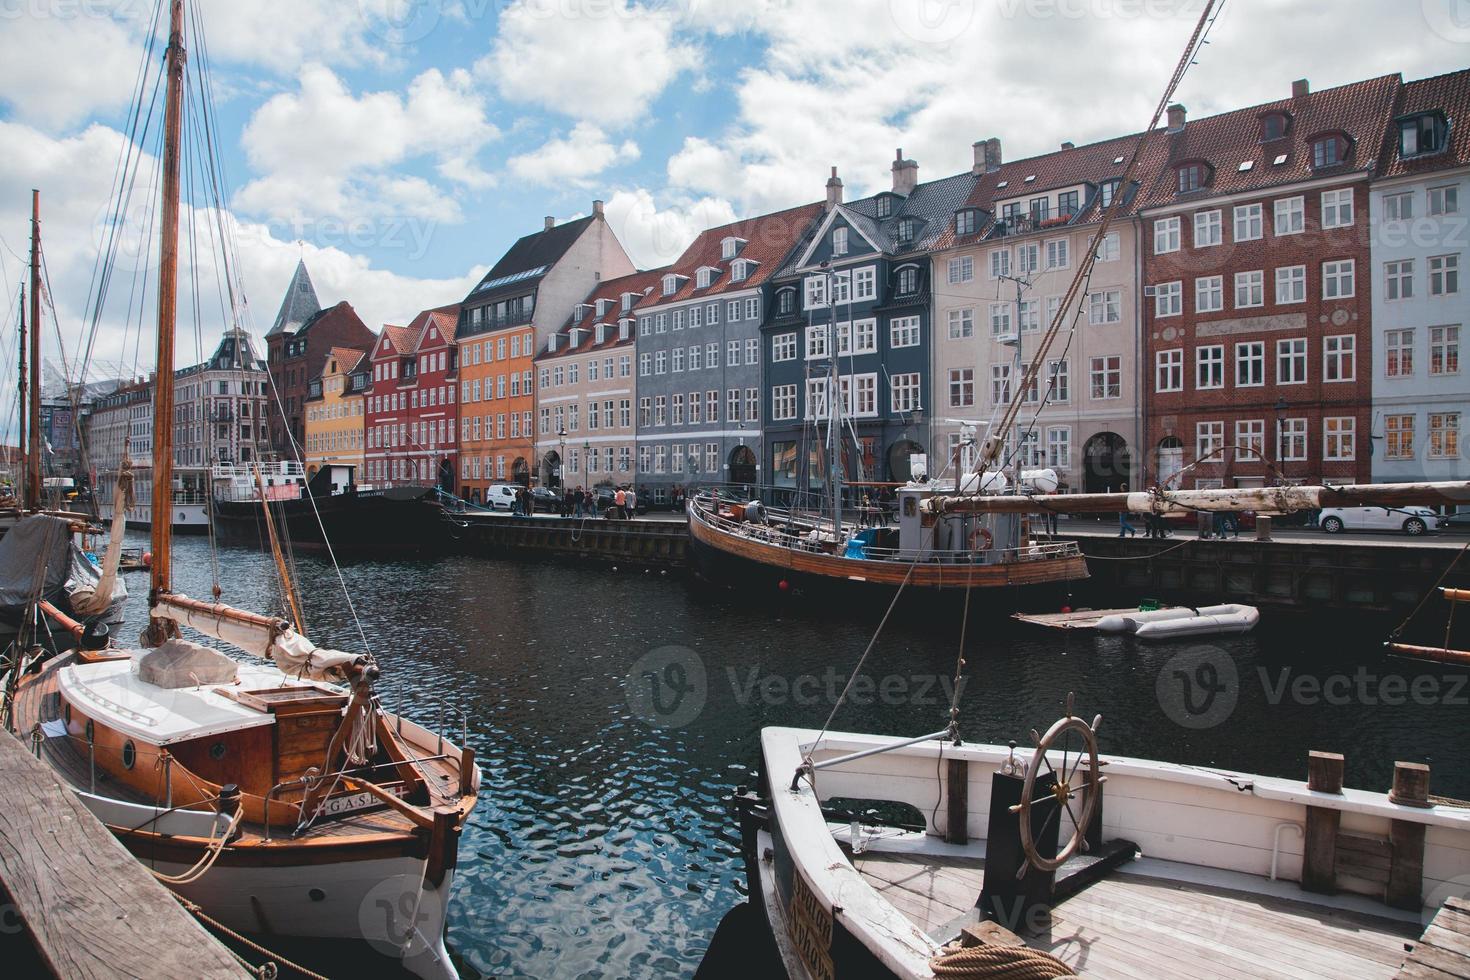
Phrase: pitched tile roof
{"type": "Point", "coordinates": [1362, 110]}
{"type": "Point", "coordinates": [298, 305]}
{"type": "Point", "coordinates": [403, 339]}
{"type": "Point", "coordinates": [531, 257]}
{"type": "Point", "coordinates": [445, 318]}
{"type": "Point", "coordinates": [346, 358]}
{"type": "Point", "coordinates": [644, 283]}
{"type": "Point", "coordinates": [769, 238]}
{"type": "Point", "coordinates": [1449, 93]}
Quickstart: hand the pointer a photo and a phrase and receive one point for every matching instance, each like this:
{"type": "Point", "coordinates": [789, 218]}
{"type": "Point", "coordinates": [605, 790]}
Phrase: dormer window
{"type": "Point", "coordinates": [702, 278]}
{"type": "Point", "coordinates": [1273, 126]}
{"type": "Point", "coordinates": [786, 302]}
{"type": "Point", "coordinates": [730, 246]}
{"type": "Point", "coordinates": [908, 280]}
{"type": "Point", "coordinates": [582, 311]}
{"type": "Point", "coordinates": [1107, 191]}
{"type": "Point", "coordinates": [1424, 133]}
{"type": "Point", "coordinates": [670, 284]}
{"type": "Point", "coordinates": [907, 229]}
{"type": "Point", "coordinates": [1329, 150]}
{"type": "Point", "coordinates": [739, 270]}
{"type": "Point", "coordinates": [629, 299]}
{"type": "Point", "coordinates": [885, 205]}
{"type": "Point", "coordinates": [603, 305]}
{"type": "Point", "coordinates": [1192, 176]}
{"type": "Point", "coordinates": [966, 222]}
{"type": "Point", "coordinates": [839, 241]}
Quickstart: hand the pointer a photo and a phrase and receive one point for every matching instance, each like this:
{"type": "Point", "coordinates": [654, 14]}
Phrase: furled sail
{"type": "Point", "coordinates": [269, 639]}
{"type": "Point", "coordinates": [94, 599]}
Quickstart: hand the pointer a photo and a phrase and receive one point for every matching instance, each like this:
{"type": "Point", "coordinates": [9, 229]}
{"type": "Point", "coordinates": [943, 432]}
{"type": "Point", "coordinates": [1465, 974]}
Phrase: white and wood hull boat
{"type": "Point", "coordinates": [1217, 888]}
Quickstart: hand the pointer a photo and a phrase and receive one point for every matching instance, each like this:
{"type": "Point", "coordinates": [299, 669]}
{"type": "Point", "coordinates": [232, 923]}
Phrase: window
{"type": "Point", "coordinates": [786, 302]}
{"type": "Point", "coordinates": [1169, 370]}
{"type": "Point", "coordinates": [1328, 151]}
{"type": "Point", "coordinates": [676, 360]}
{"type": "Point", "coordinates": [696, 317]}
{"type": "Point", "coordinates": [1291, 440]}
{"type": "Point", "coordinates": [1273, 126]}
{"type": "Point", "coordinates": [1000, 319]}
{"type": "Point", "coordinates": [1058, 446]}
{"type": "Point", "coordinates": [1250, 289]}
{"type": "Point", "coordinates": [1291, 284]}
{"type": "Point", "coordinates": [816, 397]}
{"type": "Point", "coordinates": [1028, 258]}
{"type": "Point", "coordinates": [864, 286]}
{"type": "Point", "coordinates": [1339, 358]}
{"type": "Point", "coordinates": [907, 229]}
{"type": "Point", "coordinates": [961, 387]}
{"type": "Point", "coordinates": [961, 269]}
{"type": "Point", "coordinates": [1398, 353]}
{"type": "Point", "coordinates": [1109, 249]}
{"type": "Point", "coordinates": [1338, 435]}
{"type": "Point", "coordinates": [1209, 294]}
{"type": "Point", "coordinates": [1000, 384]}
{"type": "Point", "coordinates": [1247, 222]}
{"type": "Point", "coordinates": [816, 292]}
{"type": "Point", "coordinates": [1337, 208]}
{"type": "Point", "coordinates": [859, 338]}
{"type": "Point", "coordinates": [1061, 381]}
{"type": "Point", "coordinates": [961, 324]}
{"type": "Point", "coordinates": [1444, 350]}
{"type": "Point", "coordinates": [660, 410]}
{"type": "Point", "coordinates": [1105, 307]}
{"type": "Point", "coordinates": [966, 222]}
{"type": "Point", "coordinates": [1444, 435]}
{"type": "Point", "coordinates": [1398, 279]}
{"type": "Point", "coordinates": [1166, 235]}
{"type": "Point", "coordinates": [1107, 191]}
{"type": "Point", "coordinates": [1423, 133]}
{"type": "Point", "coordinates": [783, 347]}
{"type": "Point", "coordinates": [908, 281]}
{"type": "Point", "coordinates": [1444, 200]}
{"type": "Point", "coordinates": [696, 358]}
{"type": "Point", "coordinates": [903, 394]}
{"type": "Point", "coordinates": [1191, 177]}
{"type": "Point", "coordinates": [1105, 377]}
{"type": "Point", "coordinates": [1058, 253]}
{"type": "Point", "coordinates": [677, 318]}
{"type": "Point", "coordinates": [840, 291]}
{"type": "Point", "coordinates": [712, 354]}
{"type": "Point", "coordinates": [1291, 361]}
{"type": "Point", "coordinates": [1208, 228]}
{"type": "Point", "coordinates": [1209, 439]}
{"type": "Point", "coordinates": [1169, 299]}
{"type": "Point", "coordinates": [1398, 207]}
{"type": "Point", "coordinates": [839, 241]}
{"type": "Point", "coordinates": [1337, 279]}
{"type": "Point", "coordinates": [1444, 275]}
{"type": "Point", "coordinates": [1210, 366]}
{"type": "Point", "coordinates": [702, 278]}
{"type": "Point", "coordinates": [1250, 439]}
{"type": "Point", "coordinates": [661, 323]}
{"type": "Point", "coordinates": [752, 350]}
{"type": "Point", "coordinates": [816, 341]}
{"type": "Point", "coordinates": [732, 404]}
{"type": "Point", "coordinates": [903, 331]}
{"type": "Point", "coordinates": [1000, 263]}
{"type": "Point", "coordinates": [1290, 215]}
{"type": "Point", "coordinates": [1398, 437]}
{"type": "Point", "coordinates": [1250, 364]}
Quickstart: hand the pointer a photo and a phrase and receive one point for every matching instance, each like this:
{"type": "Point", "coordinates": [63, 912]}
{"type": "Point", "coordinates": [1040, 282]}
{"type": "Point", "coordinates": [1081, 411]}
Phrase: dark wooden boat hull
{"type": "Point", "coordinates": [396, 520]}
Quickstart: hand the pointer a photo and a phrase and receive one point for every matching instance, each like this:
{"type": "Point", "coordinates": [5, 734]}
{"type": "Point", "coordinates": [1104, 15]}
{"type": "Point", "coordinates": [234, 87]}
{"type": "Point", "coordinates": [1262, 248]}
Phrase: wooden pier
{"type": "Point", "coordinates": [643, 543]}
{"type": "Point", "coordinates": [89, 907]}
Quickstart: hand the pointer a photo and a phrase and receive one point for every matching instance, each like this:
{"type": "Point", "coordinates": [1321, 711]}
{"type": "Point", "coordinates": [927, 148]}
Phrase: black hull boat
{"type": "Point", "coordinates": [391, 520]}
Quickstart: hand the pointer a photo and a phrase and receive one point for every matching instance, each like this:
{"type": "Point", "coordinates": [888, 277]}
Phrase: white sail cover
{"type": "Point", "coordinates": [286, 648]}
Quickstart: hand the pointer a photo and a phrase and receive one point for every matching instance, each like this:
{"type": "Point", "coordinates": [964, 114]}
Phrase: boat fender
{"type": "Point", "coordinates": [755, 512]}
{"type": "Point", "coordinates": [981, 539]}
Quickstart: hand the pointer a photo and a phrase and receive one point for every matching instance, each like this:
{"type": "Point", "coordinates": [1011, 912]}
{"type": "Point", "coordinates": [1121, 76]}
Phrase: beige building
{"type": "Point", "coordinates": [999, 278]}
{"type": "Point", "coordinates": [334, 414]}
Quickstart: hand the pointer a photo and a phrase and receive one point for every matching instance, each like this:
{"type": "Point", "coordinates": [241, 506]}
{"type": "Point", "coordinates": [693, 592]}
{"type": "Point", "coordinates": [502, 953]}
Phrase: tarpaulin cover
{"type": "Point", "coordinates": [38, 559]}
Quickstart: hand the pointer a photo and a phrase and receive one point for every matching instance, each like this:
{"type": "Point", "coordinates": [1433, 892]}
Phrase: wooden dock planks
{"type": "Point", "coordinates": [92, 910]}
{"type": "Point", "coordinates": [1443, 952]}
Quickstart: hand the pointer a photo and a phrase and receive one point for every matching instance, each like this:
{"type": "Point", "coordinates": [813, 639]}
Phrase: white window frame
{"type": "Point", "coordinates": [1166, 235]}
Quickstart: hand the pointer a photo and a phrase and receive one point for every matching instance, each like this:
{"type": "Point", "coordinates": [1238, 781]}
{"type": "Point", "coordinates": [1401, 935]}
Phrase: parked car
{"type": "Point", "coordinates": [1410, 520]}
{"type": "Point", "coordinates": [501, 496]}
{"type": "Point", "coordinates": [545, 499]}
{"type": "Point", "coordinates": [1455, 522]}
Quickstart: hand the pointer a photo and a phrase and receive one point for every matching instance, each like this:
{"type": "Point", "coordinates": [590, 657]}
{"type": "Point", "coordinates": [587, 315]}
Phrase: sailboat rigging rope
{"type": "Point", "coordinates": [1399, 629]}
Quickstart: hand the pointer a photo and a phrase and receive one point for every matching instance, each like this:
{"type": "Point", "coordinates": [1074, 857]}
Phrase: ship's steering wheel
{"type": "Point", "coordinates": [1076, 790]}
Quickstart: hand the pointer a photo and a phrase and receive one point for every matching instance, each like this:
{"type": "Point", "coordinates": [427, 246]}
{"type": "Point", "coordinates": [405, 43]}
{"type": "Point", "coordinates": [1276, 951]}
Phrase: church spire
{"type": "Point", "coordinates": [298, 305]}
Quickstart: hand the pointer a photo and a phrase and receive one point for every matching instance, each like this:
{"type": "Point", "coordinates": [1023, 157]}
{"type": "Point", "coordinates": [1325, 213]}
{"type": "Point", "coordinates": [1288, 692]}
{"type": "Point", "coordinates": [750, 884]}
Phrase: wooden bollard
{"type": "Point", "coordinates": [1406, 837]}
{"type": "Point", "coordinates": [958, 780]}
{"type": "Point", "coordinates": [1319, 856]}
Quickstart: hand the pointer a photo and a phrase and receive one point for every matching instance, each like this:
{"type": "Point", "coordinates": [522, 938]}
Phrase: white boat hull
{"type": "Point", "coordinates": [1166, 624]}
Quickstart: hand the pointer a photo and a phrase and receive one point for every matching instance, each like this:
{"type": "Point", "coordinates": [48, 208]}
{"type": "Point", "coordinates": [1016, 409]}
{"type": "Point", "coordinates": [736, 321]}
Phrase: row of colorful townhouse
{"type": "Point", "coordinates": [1277, 298]}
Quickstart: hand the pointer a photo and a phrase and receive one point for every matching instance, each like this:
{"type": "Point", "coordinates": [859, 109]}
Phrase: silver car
{"type": "Point", "coordinates": [1410, 520]}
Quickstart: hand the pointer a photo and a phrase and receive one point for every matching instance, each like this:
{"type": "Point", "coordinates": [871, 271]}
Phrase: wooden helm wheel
{"type": "Point", "coordinates": [1075, 790]}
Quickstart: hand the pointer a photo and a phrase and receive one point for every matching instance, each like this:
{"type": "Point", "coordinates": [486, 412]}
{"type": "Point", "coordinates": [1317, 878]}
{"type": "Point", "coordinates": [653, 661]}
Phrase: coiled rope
{"type": "Point", "coordinates": [211, 854]}
{"type": "Point", "coordinates": [999, 963]}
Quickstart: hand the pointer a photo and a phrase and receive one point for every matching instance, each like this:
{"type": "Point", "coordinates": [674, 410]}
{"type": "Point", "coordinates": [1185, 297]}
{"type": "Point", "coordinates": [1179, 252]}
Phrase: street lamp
{"type": "Point", "coordinates": [561, 435]}
{"type": "Point", "coordinates": [1280, 407]}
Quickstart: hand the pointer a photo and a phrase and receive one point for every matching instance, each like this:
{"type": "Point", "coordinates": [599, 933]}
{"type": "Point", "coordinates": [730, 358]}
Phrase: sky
{"type": "Point", "coordinates": [400, 146]}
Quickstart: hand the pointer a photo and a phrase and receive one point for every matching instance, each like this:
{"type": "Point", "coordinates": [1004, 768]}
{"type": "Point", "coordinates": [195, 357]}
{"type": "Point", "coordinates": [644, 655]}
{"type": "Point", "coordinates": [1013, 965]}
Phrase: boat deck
{"type": "Point", "coordinates": [1136, 927]}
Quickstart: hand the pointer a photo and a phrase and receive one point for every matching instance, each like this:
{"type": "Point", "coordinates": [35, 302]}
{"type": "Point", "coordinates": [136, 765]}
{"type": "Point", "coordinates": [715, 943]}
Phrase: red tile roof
{"type": "Point", "coordinates": [444, 318]}
{"type": "Point", "coordinates": [403, 339]}
{"type": "Point", "coordinates": [1449, 93]}
{"type": "Point", "coordinates": [644, 283]}
{"type": "Point", "coordinates": [768, 239]}
{"type": "Point", "coordinates": [346, 357]}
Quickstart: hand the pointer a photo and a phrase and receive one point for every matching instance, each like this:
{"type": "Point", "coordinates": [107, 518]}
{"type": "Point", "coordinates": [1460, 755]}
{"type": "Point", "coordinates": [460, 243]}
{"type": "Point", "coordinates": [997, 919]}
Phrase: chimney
{"type": "Point", "coordinates": [550, 222]}
{"type": "Point", "coordinates": [905, 174]}
{"type": "Point", "coordinates": [987, 156]}
{"type": "Point", "coordinates": [1068, 145]}
{"type": "Point", "coordinates": [1300, 89]}
{"type": "Point", "coordinates": [597, 208]}
{"type": "Point", "coordinates": [834, 190]}
{"type": "Point", "coordinates": [1176, 118]}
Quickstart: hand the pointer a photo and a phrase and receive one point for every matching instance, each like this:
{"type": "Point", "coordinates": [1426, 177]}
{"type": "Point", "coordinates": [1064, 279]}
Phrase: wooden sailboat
{"type": "Point", "coordinates": [277, 796]}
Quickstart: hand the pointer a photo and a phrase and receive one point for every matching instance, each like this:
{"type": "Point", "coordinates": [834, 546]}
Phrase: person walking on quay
{"type": "Point", "coordinates": [579, 502]}
{"type": "Point", "coordinates": [632, 502]}
{"type": "Point", "coordinates": [1125, 526]}
{"type": "Point", "coordinates": [620, 503]}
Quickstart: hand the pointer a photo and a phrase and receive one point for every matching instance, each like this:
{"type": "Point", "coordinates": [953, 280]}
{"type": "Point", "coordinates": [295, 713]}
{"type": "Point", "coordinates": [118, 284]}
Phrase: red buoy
{"type": "Point", "coordinates": [147, 559]}
{"type": "Point", "coordinates": [1066, 609]}
{"type": "Point", "coordinates": [783, 585]}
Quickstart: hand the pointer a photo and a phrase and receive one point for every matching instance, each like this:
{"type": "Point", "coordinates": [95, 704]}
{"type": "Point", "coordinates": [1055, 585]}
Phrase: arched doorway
{"type": "Point", "coordinates": [1171, 462]}
{"type": "Point", "coordinates": [520, 471]}
{"type": "Point", "coordinates": [1106, 463]}
{"type": "Point", "coordinates": [899, 468]}
{"type": "Point", "coordinates": [551, 469]}
{"type": "Point", "coordinates": [742, 465]}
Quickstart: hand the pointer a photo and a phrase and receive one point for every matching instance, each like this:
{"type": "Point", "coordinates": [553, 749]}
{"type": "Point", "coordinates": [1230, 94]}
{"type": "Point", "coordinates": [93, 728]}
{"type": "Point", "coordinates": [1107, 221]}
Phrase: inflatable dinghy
{"type": "Point", "coordinates": [1166, 624]}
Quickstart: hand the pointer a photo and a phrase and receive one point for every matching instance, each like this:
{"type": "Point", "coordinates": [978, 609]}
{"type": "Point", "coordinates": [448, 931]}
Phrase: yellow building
{"type": "Point", "coordinates": [334, 414]}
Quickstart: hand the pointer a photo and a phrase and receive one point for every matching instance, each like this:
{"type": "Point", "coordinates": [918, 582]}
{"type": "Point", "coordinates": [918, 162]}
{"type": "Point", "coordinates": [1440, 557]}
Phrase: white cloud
{"type": "Point", "coordinates": [605, 62]}
{"type": "Point", "coordinates": [56, 71]}
{"type": "Point", "coordinates": [324, 151]}
{"type": "Point", "coordinates": [654, 236]}
{"type": "Point", "coordinates": [585, 152]}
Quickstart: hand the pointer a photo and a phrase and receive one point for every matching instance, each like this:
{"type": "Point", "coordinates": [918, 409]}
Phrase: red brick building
{"type": "Point", "coordinates": [412, 414]}
{"type": "Point", "coordinates": [1257, 315]}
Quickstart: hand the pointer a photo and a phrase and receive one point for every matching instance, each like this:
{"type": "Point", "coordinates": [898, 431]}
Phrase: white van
{"type": "Point", "coordinates": [1410, 520]}
{"type": "Point", "coordinates": [501, 496]}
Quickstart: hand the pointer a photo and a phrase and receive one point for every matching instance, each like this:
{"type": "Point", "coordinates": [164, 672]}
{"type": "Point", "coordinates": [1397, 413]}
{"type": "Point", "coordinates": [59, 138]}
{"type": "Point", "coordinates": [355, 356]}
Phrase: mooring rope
{"type": "Point", "coordinates": [999, 963]}
{"type": "Point", "coordinates": [259, 971]}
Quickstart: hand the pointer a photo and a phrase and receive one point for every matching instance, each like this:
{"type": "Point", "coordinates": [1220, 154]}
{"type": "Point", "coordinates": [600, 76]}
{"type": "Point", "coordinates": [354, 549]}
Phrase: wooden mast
{"type": "Point", "coordinates": [20, 440]}
{"type": "Point", "coordinates": [33, 460]}
{"type": "Point", "coordinates": [168, 267]}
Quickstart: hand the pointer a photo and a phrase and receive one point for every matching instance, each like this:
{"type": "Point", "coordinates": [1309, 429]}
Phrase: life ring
{"type": "Point", "coordinates": [981, 539]}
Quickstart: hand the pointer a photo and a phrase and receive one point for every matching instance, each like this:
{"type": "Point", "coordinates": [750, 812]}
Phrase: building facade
{"type": "Point", "coordinates": [1419, 243]}
{"type": "Point", "coordinates": [220, 410]}
{"type": "Point", "coordinates": [335, 420]}
{"type": "Point", "coordinates": [120, 426]}
{"type": "Point", "coordinates": [586, 387]}
{"type": "Point", "coordinates": [1258, 320]}
{"type": "Point", "coordinates": [528, 295]}
{"type": "Point", "coordinates": [412, 416]}
{"type": "Point", "coordinates": [699, 355]}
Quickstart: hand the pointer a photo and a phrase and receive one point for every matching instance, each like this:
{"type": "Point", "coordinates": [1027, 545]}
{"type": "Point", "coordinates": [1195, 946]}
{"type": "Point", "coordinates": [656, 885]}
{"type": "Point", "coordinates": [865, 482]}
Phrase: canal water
{"type": "Point", "coordinates": [614, 712]}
